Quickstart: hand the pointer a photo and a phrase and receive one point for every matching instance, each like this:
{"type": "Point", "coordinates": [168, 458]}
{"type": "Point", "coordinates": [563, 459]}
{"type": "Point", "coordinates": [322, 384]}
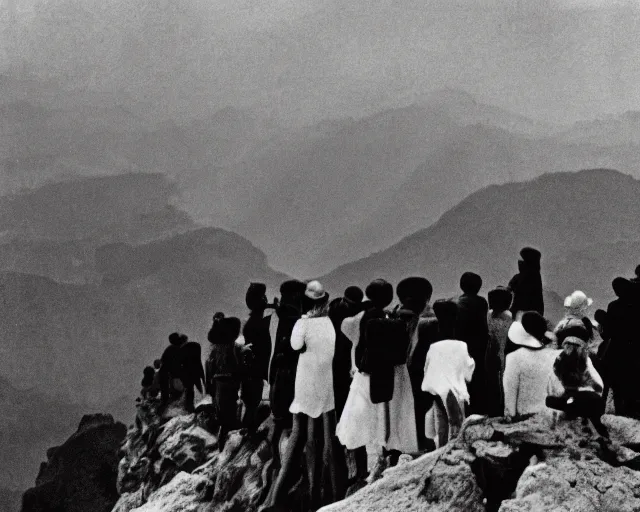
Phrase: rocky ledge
{"type": "Point", "coordinates": [173, 463]}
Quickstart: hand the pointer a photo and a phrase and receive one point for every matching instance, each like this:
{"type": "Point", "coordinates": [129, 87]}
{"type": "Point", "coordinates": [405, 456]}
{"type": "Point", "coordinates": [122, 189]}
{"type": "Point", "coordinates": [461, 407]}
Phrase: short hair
{"type": "Point", "coordinates": [416, 288]}
{"type": "Point", "coordinates": [500, 299]}
{"type": "Point", "coordinates": [470, 283]}
{"type": "Point", "coordinates": [380, 292]}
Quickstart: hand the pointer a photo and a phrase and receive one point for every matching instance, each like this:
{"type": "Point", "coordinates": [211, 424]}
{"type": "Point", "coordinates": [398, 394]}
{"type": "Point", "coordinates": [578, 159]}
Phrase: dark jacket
{"type": "Point", "coordinates": [527, 289]}
{"type": "Point", "coordinates": [471, 325]}
{"type": "Point", "coordinates": [283, 355]}
{"type": "Point", "coordinates": [256, 333]}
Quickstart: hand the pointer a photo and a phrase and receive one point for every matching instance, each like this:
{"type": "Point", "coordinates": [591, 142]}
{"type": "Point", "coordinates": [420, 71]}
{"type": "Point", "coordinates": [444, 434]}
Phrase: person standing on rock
{"type": "Point", "coordinates": [528, 368]}
{"type": "Point", "coordinates": [499, 319]}
{"type": "Point", "coordinates": [448, 367]}
{"type": "Point", "coordinates": [181, 370]}
{"type": "Point", "coordinates": [223, 373]}
{"type": "Point", "coordinates": [622, 360]}
{"type": "Point", "coordinates": [340, 308]}
{"type": "Point", "coordinates": [414, 294]}
{"type": "Point", "coordinates": [257, 339]}
{"type": "Point", "coordinates": [526, 285]}
{"type": "Point", "coordinates": [313, 405]}
{"type": "Point", "coordinates": [282, 372]}
{"type": "Point", "coordinates": [472, 328]}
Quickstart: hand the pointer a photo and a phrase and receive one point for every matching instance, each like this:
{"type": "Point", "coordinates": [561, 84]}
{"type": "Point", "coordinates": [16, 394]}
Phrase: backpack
{"type": "Point", "coordinates": [387, 342]}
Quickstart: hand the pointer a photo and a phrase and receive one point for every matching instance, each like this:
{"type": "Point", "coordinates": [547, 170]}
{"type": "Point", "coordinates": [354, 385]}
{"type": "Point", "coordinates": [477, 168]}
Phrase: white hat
{"type": "Point", "coordinates": [518, 335]}
{"type": "Point", "coordinates": [315, 290]}
{"type": "Point", "coordinates": [577, 302]}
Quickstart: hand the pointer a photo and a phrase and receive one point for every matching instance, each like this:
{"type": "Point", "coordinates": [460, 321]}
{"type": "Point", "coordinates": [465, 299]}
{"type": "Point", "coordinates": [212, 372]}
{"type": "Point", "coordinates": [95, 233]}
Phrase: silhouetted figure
{"type": "Point", "coordinates": [636, 278]}
{"type": "Point", "coordinates": [414, 294]}
{"type": "Point", "coordinates": [282, 373]}
{"type": "Point", "coordinates": [258, 339]}
{"type": "Point", "coordinates": [622, 363]}
{"type": "Point", "coordinates": [223, 373]}
{"type": "Point", "coordinates": [181, 370]}
{"type": "Point", "coordinates": [472, 328]}
{"type": "Point", "coordinates": [499, 320]}
{"type": "Point", "coordinates": [340, 308]}
{"type": "Point", "coordinates": [527, 284]}
{"type": "Point", "coordinates": [147, 382]}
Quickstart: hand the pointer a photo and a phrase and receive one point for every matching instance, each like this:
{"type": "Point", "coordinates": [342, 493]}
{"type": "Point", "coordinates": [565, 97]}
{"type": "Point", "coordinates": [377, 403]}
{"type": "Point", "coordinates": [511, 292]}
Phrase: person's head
{"type": "Point", "coordinates": [623, 288]}
{"type": "Point", "coordinates": [500, 299]}
{"type": "Point", "coordinates": [380, 293]}
{"type": "Point", "coordinates": [315, 299]}
{"type": "Point", "coordinates": [414, 293]}
{"type": "Point", "coordinates": [531, 331]}
{"type": "Point", "coordinates": [256, 297]}
{"type": "Point", "coordinates": [175, 338]}
{"type": "Point", "coordinates": [229, 329]}
{"type": "Point", "coordinates": [577, 304]}
{"type": "Point", "coordinates": [576, 328]}
{"type": "Point", "coordinates": [353, 295]}
{"type": "Point", "coordinates": [148, 371]}
{"type": "Point", "coordinates": [470, 283]}
{"type": "Point", "coordinates": [637, 272]}
{"type": "Point", "coordinates": [571, 364]}
{"type": "Point", "coordinates": [531, 258]}
{"type": "Point", "coordinates": [157, 364]}
{"type": "Point", "coordinates": [446, 312]}
{"type": "Point", "coordinates": [600, 316]}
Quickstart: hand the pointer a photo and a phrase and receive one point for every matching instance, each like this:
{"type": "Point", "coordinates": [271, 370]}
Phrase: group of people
{"type": "Point", "coordinates": [352, 376]}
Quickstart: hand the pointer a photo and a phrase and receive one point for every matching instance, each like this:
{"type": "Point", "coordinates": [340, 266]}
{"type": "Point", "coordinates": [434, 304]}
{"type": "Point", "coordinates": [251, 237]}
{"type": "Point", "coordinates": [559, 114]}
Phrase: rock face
{"type": "Point", "coordinates": [80, 475]}
{"type": "Point", "coordinates": [175, 464]}
{"type": "Point", "coordinates": [534, 465]}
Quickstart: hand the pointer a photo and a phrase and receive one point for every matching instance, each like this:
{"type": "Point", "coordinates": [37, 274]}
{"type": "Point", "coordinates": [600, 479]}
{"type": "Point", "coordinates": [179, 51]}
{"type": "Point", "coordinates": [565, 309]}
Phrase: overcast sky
{"type": "Point", "coordinates": [558, 61]}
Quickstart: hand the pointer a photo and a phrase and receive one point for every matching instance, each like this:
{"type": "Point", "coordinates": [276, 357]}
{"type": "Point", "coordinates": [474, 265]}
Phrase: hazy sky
{"type": "Point", "coordinates": [556, 60]}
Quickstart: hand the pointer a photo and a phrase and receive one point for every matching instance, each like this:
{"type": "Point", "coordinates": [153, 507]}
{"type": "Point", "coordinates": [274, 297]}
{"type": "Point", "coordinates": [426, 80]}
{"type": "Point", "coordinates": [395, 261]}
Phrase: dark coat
{"type": "Point", "coordinates": [283, 354]}
{"type": "Point", "coordinates": [472, 328]}
{"type": "Point", "coordinates": [182, 362]}
{"type": "Point", "coordinates": [256, 333]}
{"type": "Point", "coordinates": [526, 286]}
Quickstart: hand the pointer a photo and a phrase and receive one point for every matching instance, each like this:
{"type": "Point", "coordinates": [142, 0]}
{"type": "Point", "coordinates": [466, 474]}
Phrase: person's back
{"type": "Point", "coordinates": [448, 367]}
{"type": "Point", "coordinates": [527, 284]}
{"type": "Point", "coordinates": [526, 377]}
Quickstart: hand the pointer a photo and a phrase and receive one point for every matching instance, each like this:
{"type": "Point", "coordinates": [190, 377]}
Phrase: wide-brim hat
{"type": "Point", "coordinates": [519, 336]}
{"type": "Point", "coordinates": [315, 291]}
{"type": "Point", "coordinates": [578, 301]}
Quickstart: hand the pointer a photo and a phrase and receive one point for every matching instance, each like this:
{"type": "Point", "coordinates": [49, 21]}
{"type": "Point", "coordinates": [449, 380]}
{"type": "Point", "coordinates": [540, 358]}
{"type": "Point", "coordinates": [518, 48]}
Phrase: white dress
{"type": "Point", "coordinates": [314, 377]}
{"type": "Point", "coordinates": [363, 423]}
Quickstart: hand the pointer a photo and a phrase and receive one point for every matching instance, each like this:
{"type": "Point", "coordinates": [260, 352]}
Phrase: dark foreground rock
{"type": "Point", "coordinates": [536, 465]}
{"type": "Point", "coordinates": [80, 475]}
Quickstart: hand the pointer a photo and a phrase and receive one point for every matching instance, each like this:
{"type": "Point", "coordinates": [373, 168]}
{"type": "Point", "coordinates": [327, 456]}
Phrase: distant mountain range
{"type": "Point", "coordinates": [315, 197]}
{"type": "Point", "coordinates": [585, 223]}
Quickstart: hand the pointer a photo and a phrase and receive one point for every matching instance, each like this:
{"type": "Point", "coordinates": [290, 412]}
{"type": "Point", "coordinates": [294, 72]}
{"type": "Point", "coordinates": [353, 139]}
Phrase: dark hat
{"type": "Point", "coordinates": [623, 287]}
{"type": "Point", "coordinates": [535, 324]}
{"type": "Point", "coordinates": [354, 294]}
{"type": "Point", "coordinates": [217, 316]}
{"type": "Point", "coordinates": [148, 371]}
{"type": "Point", "coordinates": [500, 298]}
{"type": "Point", "coordinates": [380, 292]}
{"type": "Point", "coordinates": [445, 310]}
{"type": "Point", "coordinates": [292, 287]}
{"type": "Point", "coordinates": [416, 288]}
{"type": "Point", "coordinates": [600, 316]}
{"type": "Point", "coordinates": [256, 295]}
{"type": "Point", "coordinates": [530, 255]}
{"type": "Point", "coordinates": [470, 282]}
{"type": "Point", "coordinates": [175, 338]}
{"type": "Point", "coordinates": [230, 328]}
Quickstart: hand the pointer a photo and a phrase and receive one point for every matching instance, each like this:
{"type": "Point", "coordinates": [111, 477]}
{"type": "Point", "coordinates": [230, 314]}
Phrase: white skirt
{"type": "Point", "coordinates": [363, 423]}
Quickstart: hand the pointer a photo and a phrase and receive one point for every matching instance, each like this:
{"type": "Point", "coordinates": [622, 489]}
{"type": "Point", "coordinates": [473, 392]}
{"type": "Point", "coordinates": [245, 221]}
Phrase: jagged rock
{"type": "Point", "coordinates": [185, 493]}
{"type": "Point", "coordinates": [80, 475]}
{"type": "Point", "coordinates": [564, 485]}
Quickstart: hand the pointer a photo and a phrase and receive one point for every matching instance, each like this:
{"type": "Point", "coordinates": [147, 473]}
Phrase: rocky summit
{"type": "Point", "coordinates": [537, 464]}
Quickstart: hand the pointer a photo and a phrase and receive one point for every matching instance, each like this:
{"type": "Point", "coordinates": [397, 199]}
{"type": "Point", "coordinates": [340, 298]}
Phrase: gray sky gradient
{"type": "Point", "coordinates": [303, 60]}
